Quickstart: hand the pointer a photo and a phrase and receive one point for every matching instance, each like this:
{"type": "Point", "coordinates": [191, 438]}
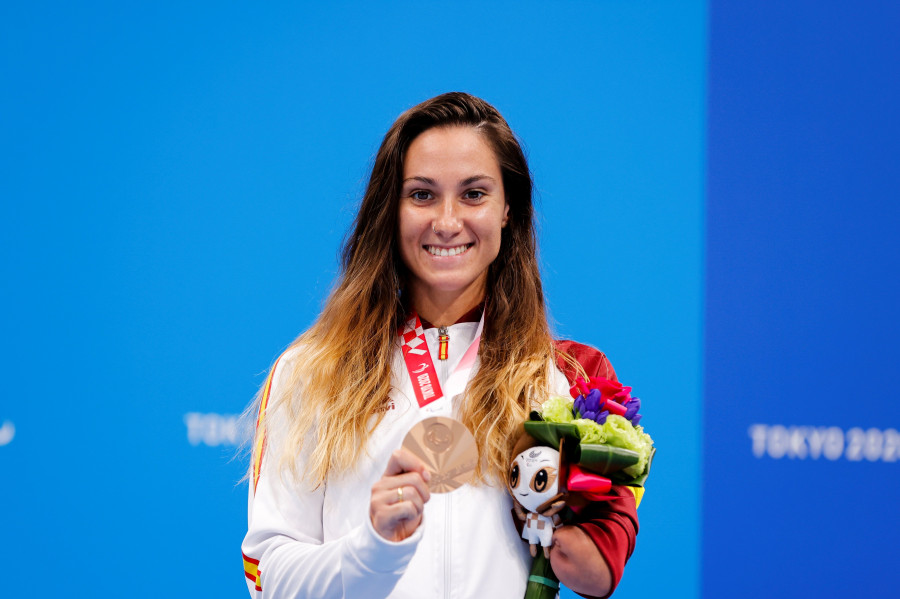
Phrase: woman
{"type": "Point", "coordinates": [443, 249]}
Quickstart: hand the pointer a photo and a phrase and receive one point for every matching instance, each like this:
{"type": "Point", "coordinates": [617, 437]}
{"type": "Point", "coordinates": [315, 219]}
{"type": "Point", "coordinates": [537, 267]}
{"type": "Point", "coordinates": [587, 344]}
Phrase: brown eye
{"type": "Point", "coordinates": [542, 479]}
{"type": "Point", "coordinates": [514, 476]}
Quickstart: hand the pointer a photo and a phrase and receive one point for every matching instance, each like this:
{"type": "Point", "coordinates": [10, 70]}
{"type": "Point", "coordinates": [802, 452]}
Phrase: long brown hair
{"type": "Point", "coordinates": [338, 387]}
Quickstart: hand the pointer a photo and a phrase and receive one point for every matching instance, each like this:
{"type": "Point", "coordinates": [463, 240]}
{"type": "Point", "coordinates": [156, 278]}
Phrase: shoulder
{"type": "Point", "coordinates": [277, 389]}
{"type": "Point", "coordinates": [284, 365]}
{"type": "Point", "coordinates": [592, 360]}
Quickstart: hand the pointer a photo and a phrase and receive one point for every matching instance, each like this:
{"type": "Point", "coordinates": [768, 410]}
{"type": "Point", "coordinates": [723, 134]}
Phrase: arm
{"type": "Point", "coordinates": [589, 557]}
{"type": "Point", "coordinates": [285, 536]}
{"type": "Point", "coordinates": [285, 554]}
{"type": "Point", "coordinates": [567, 556]}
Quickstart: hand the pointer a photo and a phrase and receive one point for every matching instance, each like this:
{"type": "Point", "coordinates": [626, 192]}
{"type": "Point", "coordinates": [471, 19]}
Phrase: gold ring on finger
{"type": "Point", "coordinates": [399, 494]}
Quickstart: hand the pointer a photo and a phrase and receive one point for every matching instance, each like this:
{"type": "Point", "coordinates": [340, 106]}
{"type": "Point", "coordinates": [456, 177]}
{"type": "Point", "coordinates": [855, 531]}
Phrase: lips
{"type": "Point", "coordinates": [448, 251]}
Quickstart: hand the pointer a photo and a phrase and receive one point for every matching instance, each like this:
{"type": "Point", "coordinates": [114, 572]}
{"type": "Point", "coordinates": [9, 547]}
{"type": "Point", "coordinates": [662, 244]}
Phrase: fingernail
{"type": "Point", "coordinates": [427, 476]}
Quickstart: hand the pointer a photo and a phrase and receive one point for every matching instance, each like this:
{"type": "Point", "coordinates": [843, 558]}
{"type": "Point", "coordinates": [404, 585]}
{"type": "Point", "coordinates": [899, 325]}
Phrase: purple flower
{"type": "Point", "coordinates": [597, 416]}
{"type": "Point", "coordinates": [636, 419]}
{"type": "Point", "coordinates": [592, 401]}
{"type": "Point", "coordinates": [631, 407]}
{"type": "Point", "coordinates": [579, 405]}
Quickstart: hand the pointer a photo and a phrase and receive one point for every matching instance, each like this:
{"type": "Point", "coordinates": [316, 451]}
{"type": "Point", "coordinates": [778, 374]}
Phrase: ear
{"type": "Point", "coordinates": [505, 215]}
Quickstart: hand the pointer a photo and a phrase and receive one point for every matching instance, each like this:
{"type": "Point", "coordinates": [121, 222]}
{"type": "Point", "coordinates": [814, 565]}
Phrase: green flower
{"type": "Point", "coordinates": [557, 409]}
{"type": "Point", "coordinates": [620, 433]}
{"type": "Point", "coordinates": [590, 431]}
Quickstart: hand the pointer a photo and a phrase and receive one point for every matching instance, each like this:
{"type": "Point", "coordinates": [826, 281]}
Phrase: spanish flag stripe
{"type": "Point", "coordinates": [260, 447]}
{"type": "Point", "coordinates": [247, 558]}
{"type": "Point", "coordinates": [251, 570]}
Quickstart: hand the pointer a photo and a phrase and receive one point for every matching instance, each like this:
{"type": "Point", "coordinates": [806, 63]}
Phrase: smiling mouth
{"type": "Point", "coordinates": [454, 251]}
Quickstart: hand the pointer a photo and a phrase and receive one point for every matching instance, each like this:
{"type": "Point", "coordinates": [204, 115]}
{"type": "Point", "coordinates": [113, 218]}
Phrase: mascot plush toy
{"type": "Point", "coordinates": [534, 484]}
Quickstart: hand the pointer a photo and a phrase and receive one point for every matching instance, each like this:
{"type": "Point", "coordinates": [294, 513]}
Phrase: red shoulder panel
{"type": "Point", "coordinates": [591, 359]}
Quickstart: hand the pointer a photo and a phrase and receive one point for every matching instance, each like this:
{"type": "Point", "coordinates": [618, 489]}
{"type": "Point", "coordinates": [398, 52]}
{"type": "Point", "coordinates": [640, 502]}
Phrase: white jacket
{"type": "Point", "coordinates": [321, 544]}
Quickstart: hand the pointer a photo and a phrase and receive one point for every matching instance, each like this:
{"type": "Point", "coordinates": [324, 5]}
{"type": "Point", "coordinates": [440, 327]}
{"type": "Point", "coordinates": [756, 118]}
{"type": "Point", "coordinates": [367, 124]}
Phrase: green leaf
{"type": "Point", "coordinates": [549, 433]}
{"type": "Point", "coordinates": [605, 459]}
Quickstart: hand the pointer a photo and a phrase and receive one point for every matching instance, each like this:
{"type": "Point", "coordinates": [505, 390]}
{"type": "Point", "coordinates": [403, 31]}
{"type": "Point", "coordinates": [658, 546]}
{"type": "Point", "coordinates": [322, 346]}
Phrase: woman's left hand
{"type": "Point", "coordinates": [577, 562]}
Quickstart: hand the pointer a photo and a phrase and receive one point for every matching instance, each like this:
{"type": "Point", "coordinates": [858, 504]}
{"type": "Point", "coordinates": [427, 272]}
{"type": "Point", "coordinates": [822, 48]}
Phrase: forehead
{"type": "Point", "coordinates": [455, 151]}
{"type": "Point", "coordinates": [537, 458]}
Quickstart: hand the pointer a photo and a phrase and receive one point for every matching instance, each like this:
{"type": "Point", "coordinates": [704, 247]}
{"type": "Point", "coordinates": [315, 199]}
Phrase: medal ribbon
{"type": "Point", "coordinates": [420, 365]}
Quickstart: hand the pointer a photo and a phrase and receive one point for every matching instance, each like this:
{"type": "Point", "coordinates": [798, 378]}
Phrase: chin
{"type": "Point", "coordinates": [449, 286]}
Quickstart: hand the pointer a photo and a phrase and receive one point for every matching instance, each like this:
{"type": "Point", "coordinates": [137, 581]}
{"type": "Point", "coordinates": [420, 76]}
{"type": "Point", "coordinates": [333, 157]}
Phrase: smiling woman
{"type": "Point", "coordinates": [440, 267]}
{"type": "Point", "coordinates": [452, 211]}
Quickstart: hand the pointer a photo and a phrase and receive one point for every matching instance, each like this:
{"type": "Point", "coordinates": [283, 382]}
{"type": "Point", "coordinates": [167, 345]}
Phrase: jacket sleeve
{"type": "Point", "coordinates": [285, 552]}
{"type": "Point", "coordinates": [612, 525]}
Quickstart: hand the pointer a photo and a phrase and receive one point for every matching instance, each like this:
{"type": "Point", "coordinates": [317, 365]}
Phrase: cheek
{"type": "Point", "coordinates": [409, 229]}
{"type": "Point", "coordinates": [490, 232]}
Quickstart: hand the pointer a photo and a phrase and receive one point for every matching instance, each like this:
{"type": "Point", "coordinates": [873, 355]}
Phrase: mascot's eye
{"type": "Point", "coordinates": [540, 480]}
{"type": "Point", "coordinates": [514, 476]}
{"type": "Point", "coordinates": [543, 478]}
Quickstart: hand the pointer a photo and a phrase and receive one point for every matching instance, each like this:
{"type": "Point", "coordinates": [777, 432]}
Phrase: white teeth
{"type": "Point", "coordinates": [454, 251]}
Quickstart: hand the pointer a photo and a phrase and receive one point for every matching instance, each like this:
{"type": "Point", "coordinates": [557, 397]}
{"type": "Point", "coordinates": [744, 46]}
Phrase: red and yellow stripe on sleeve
{"type": "Point", "coordinates": [251, 570]}
{"type": "Point", "coordinates": [259, 445]}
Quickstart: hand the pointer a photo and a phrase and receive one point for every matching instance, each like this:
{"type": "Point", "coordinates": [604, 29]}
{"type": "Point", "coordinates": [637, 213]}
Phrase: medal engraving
{"type": "Point", "coordinates": [438, 437]}
{"type": "Point", "coordinates": [448, 450]}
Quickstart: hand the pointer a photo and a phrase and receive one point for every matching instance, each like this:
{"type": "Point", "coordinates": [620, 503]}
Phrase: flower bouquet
{"type": "Point", "coordinates": [597, 442]}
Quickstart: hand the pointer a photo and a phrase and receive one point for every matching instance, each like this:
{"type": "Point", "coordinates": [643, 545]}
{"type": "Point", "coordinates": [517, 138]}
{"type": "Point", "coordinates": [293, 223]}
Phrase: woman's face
{"type": "Point", "coordinates": [452, 211]}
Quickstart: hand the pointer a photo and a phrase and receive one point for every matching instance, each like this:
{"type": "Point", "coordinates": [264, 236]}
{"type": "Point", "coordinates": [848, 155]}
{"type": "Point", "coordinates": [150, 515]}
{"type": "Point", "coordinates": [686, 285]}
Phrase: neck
{"type": "Point", "coordinates": [443, 310]}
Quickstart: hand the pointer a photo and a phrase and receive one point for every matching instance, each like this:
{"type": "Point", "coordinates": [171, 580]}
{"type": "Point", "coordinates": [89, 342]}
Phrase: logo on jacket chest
{"type": "Point", "coordinates": [386, 407]}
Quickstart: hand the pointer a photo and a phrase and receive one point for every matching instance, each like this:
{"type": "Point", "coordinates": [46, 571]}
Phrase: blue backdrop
{"type": "Point", "coordinates": [801, 447]}
{"type": "Point", "coordinates": [176, 180]}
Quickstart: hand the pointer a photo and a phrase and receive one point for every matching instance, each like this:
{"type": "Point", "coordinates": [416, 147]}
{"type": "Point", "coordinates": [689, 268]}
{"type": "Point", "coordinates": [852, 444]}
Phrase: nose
{"type": "Point", "coordinates": [447, 222]}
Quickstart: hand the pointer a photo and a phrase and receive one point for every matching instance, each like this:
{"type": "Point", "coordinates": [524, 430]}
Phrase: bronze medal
{"type": "Point", "coordinates": [448, 450]}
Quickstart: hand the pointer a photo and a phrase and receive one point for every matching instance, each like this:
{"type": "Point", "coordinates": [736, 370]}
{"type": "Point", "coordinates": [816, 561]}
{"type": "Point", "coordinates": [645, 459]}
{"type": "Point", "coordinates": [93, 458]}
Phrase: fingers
{"type": "Point", "coordinates": [405, 469]}
{"type": "Point", "coordinates": [401, 492]}
{"type": "Point", "coordinates": [396, 512]}
{"type": "Point", "coordinates": [403, 461]}
{"type": "Point", "coordinates": [408, 480]}
{"type": "Point", "coordinates": [399, 496]}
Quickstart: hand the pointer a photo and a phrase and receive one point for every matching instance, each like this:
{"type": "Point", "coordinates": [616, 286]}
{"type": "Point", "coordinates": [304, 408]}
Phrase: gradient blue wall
{"type": "Point", "coordinates": [802, 447]}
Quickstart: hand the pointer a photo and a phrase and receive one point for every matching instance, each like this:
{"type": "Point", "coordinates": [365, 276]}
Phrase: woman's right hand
{"type": "Point", "coordinates": [399, 497]}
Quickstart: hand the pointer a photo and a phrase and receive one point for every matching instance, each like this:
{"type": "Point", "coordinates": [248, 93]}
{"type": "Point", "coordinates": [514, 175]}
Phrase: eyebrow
{"type": "Point", "coordinates": [474, 178]}
{"type": "Point", "coordinates": [463, 183]}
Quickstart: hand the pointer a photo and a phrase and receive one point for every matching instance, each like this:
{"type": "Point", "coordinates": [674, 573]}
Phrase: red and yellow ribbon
{"type": "Point", "coordinates": [260, 444]}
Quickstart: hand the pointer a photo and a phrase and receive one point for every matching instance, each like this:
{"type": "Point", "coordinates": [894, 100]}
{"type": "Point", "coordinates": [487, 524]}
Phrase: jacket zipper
{"type": "Point", "coordinates": [443, 358]}
{"type": "Point", "coordinates": [448, 534]}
